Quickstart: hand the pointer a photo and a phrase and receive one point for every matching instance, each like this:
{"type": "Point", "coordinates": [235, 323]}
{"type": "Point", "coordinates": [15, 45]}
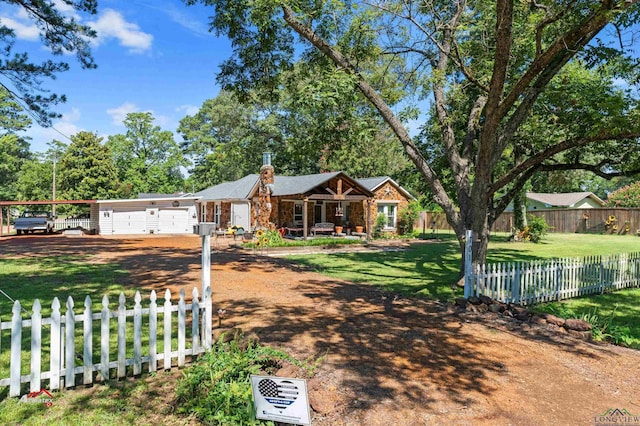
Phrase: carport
{"type": "Point", "coordinates": [9, 204]}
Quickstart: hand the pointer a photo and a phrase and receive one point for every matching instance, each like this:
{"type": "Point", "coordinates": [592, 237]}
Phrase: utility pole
{"type": "Point", "coordinates": [55, 148]}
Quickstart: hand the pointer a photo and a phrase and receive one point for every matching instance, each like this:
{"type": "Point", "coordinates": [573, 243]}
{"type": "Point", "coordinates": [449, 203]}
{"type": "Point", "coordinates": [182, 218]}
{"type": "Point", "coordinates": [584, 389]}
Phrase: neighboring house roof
{"type": "Point", "coordinates": [373, 183]}
{"type": "Point", "coordinates": [567, 199]}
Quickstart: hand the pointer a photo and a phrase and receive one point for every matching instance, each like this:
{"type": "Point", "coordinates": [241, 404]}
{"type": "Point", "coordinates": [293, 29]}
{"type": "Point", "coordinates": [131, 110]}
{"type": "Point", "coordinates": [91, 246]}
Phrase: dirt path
{"type": "Point", "coordinates": [387, 359]}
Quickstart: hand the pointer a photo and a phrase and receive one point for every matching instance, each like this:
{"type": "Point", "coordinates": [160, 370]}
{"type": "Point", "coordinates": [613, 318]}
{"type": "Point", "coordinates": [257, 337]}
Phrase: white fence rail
{"type": "Point", "coordinates": [549, 280]}
{"type": "Point", "coordinates": [61, 224]}
{"type": "Point", "coordinates": [69, 331]}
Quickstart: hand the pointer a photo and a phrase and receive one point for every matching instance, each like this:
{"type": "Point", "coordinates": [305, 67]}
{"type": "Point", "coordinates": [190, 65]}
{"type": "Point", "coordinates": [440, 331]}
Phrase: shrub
{"type": "Point", "coordinates": [627, 196]}
{"type": "Point", "coordinates": [535, 230]}
{"type": "Point", "coordinates": [378, 227]}
{"type": "Point", "coordinates": [407, 217]}
{"type": "Point", "coordinates": [217, 389]}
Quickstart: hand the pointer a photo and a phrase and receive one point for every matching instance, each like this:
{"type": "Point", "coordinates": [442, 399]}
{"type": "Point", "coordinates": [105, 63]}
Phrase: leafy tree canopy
{"type": "Point", "coordinates": [485, 66]}
{"type": "Point", "coordinates": [14, 151]}
{"type": "Point", "coordinates": [146, 158]}
{"type": "Point", "coordinates": [86, 171]}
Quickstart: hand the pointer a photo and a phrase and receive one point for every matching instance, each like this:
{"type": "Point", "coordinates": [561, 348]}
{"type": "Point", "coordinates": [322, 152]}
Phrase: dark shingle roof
{"type": "Point", "coordinates": [236, 190]}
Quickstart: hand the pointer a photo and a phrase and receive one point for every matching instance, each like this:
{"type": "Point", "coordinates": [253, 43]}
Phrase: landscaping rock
{"type": "Point", "coordinates": [461, 301]}
{"type": "Point", "coordinates": [582, 335]}
{"type": "Point", "coordinates": [322, 399]}
{"type": "Point", "coordinates": [577, 325]}
{"type": "Point", "coordinates": [496, 308]}
{"type": "Point", "coordinates": [482, 308]}
{"type": "Point", "coordinates": [553, 319]}
{"type": "Point", "coordinates": [486, 299]}
{"type": "Point", "coordinates": [474, 300]}
{"type": "Point", "coordinates": [288, 370]}
{"type": "Point", "coordinates": [538, 320]}
{"type": "Point", "coordinates": [226, 335]}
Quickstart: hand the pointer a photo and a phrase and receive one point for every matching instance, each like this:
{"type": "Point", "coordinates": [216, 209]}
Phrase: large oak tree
{"type": "Point", "coordinates": [483, 65]}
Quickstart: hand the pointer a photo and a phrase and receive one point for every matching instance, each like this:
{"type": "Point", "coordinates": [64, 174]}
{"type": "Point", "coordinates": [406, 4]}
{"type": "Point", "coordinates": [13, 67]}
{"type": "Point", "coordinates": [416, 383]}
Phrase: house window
{"type": "Point", "coordinates": [297, 213]}
{"type": "Point", "coordinates": [389, 212]}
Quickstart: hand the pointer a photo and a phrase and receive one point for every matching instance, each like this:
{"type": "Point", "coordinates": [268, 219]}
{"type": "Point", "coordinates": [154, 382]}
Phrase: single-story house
{"type": "Point", "coordinates": [566, 200]}
{"type": "Point", "coordinates": [150, 214]}
{"type": "Point", "coordinates": [298, 203]}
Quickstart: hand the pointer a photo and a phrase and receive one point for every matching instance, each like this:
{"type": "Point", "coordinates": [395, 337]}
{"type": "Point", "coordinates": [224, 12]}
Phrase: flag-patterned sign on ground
{"type": "Point", "coordinates": [281, 399]}
{"type": "Point", "coordinates": [281, 394]}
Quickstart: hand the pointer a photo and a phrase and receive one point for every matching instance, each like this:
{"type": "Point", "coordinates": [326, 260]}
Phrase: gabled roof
{"type": "Point", "coordinates": [292, 185]}
{"type": "Point", "coordinates": [567, 199]}
{"type": "Point", "coordinates": [243, 189]}
{"type": "Point", "coordinates": [373, 183]}
{"type": "Point", "coordinates": [237, 190]}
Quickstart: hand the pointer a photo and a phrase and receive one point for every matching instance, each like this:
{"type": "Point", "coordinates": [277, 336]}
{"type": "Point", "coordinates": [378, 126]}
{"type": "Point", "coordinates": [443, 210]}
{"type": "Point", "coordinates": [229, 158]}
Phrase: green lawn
{"type": "Point", "coordinates": [425, 270]}
{"type": "Point", "coordinates": [44, 278]}
{"type": "Point", "coordinates": [429, 270]}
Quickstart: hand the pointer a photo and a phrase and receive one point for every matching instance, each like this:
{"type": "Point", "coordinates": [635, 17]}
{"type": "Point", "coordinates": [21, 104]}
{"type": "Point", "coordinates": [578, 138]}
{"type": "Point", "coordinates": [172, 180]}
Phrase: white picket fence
{"type": "Point", "coordinates": [62, 224]}
{"type": "Point", "coordinates": [549, 280]}
{"type": "Point", "coordinates": [64, 360]}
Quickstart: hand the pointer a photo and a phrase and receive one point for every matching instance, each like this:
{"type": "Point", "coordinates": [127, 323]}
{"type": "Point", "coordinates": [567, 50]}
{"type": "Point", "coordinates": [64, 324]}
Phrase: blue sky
{"type": "Point", "coordinates": [155, 56]}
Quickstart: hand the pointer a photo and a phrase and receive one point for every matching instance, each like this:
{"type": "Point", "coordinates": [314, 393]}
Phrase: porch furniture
{"type": "Point", "coordinates": [323, 227]}
{"type": "Point", "coordinates": [294, 231]}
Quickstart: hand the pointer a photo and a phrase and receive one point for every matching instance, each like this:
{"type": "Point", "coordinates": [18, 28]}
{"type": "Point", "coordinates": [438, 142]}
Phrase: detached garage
{"type": "Point", "coordinates": [167, 215]}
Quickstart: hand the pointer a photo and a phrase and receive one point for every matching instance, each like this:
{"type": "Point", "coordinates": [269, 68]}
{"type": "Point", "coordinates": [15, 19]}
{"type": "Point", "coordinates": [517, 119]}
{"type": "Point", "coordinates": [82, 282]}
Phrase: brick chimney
{"type": "Point", "coordinates": [265, 188]}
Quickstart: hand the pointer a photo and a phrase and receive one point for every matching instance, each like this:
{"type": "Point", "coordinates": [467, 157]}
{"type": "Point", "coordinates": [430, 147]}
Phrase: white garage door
{"type": "Point", "coordinates": [129, 221]}
{"type": "Point", "coordinates": [173, 221]}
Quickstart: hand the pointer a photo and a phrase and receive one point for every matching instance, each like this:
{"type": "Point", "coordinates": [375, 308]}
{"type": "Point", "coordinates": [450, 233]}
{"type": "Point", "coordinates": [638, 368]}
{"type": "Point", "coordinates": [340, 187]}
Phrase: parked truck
{"type": "Point", "coordinates": [31, 221]}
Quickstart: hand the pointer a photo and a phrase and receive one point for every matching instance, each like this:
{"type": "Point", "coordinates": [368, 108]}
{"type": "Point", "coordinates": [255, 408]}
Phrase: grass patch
{"type": "Point", "coordinates": [142, 401]}
{"type": "Point", "coordinates": [615, 317]}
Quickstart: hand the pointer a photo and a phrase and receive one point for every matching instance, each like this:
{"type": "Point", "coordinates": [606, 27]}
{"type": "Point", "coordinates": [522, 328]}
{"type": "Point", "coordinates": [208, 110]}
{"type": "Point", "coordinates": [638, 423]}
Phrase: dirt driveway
{"type": "Point", "coordinates": [388, 359]}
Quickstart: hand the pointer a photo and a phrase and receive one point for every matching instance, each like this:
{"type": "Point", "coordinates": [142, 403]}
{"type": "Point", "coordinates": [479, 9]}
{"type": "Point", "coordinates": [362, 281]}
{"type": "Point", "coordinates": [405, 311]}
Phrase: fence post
{"type": "Point", "coordinates": [208, 317]}
{"type": "Point", "coordinates": [195, 322]}
{"type": "Point", "coordinates": [55, 346]}
{"type": "Point", "coordinates": [153, 332]}
{"type": "Point", "coordinates": [137, 335]}
{"type": "Point", "coordinates": [70, 349]}
{"type": "Point", "coordinates": [181, 328]}
{"type": "Point", "coordinates": [167, 330]}
{"type": "Point", "coordinates": [36, 346]}
{"type": "Point", "coordinates": [122, 337]}
{"type": "Point", "coordinates": [105, 316]}
{"type": "Point", "coordinates": [468, 264]}
{"type": "Point", "coordinates": [88, 342]}
{"type": "Point", "coordinates": [16, 349]}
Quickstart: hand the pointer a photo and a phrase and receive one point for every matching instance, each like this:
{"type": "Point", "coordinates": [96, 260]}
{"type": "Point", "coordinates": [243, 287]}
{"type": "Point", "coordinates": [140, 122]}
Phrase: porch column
{"type": "Point", "coordinates": [2, 221]}
{"type": "Point", "coordinates": [305, 221]}
{"type": "Point", "coordinates": [368, 216]}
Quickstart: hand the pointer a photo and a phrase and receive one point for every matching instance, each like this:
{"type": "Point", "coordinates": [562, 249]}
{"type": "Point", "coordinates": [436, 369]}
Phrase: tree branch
{"type": "Point", "coordinates": [537, 159]}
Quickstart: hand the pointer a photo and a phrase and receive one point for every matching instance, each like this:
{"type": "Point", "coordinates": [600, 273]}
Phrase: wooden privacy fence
{"type": "Point", "coordinates": [568, 221]}
{"type": "Point", "coordinates": [549, 280]}
{"type": "Point", "coordinates": [65, 362]}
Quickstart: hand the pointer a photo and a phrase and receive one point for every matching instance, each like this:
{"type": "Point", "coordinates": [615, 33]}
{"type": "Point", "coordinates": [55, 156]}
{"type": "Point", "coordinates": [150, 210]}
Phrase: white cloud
{"type": "Point", "coordinates": [111, 25]}
{"type": "Point", "coordinates": [24, 29]}
{"type": "Point", "coordinates": [119, 113]}
{"type": "Point", "coordinates": [188, 109]}
{"type": "Point", "coordinates": [61, 130]}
